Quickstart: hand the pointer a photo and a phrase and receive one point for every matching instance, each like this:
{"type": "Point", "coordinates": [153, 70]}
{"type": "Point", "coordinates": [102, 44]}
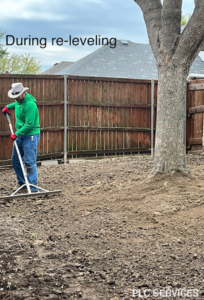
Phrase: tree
{"type": "Point", "coordinates": [185, 19]}
{"type": "Point", "coordinates": [2, 50]}
{"type": "Point", "coordinates": [174, 52]}
{"type": "Point", "coordinates": [19, 64]}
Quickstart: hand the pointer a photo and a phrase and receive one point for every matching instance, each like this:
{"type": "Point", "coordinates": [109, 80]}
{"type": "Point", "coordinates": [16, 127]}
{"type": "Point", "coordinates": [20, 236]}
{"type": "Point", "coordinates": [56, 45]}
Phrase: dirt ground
{"type": "Point", "coordinates": [112, 232]}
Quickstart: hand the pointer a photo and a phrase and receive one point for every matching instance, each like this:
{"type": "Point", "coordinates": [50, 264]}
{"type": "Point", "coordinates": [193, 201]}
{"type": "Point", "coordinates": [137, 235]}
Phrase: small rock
{"type": "Point", "coordinates": [157, 213]}
{"type": "Point", "coordinates": [57, 292]}
{"type": "Point", "coordinates": [96, 235]}
{"type": "Point", "coordinates": [176, 284]}
{"type": "Point", "coordinates": [103, 275]}
{"type": "Point", "coordinates": [111, 282]}
{"type": "Point", "coordinates": [137, 275]}
{"type": "Point", "coordinates": [173, 256]}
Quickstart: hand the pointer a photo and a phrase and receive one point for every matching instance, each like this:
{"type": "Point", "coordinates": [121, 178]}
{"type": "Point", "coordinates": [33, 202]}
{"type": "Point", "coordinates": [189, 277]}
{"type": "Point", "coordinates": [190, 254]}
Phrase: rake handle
{"type": "Point", "coordinates": [9, 121]}
{"type": "Point", "coordinates": [19, 156]}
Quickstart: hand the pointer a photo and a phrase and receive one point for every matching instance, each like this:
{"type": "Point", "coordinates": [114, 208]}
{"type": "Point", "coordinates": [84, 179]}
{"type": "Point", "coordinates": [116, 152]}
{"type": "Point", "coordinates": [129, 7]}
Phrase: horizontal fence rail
{"type": "Point", "coordinates": [104, 116]}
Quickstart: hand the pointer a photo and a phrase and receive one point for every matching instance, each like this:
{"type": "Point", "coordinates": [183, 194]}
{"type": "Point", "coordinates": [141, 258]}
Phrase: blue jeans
{"type": "Point", "coordinates": [28, 147]}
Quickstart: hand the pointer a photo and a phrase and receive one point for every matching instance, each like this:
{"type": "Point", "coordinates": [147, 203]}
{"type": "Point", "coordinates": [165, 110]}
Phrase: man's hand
{"type": "Point", "coordinates": [13, 136]}
{"type": "Point", "coordinates": [5, 110]}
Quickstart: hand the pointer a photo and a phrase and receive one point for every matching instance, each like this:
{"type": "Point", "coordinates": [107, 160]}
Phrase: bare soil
{"type": "Point", "coordinates": [112, 230]}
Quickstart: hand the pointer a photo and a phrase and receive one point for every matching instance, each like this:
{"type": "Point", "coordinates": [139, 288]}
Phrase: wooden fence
{"type": "Point", "coordinates": [103, 115]}
{"type": "Point", "coordinates": [195, 116]}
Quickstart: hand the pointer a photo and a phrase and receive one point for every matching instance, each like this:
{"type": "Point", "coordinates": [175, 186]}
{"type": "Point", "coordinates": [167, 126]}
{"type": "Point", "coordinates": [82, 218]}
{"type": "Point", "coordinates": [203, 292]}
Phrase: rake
{"type": "Point", "coordinates": [17, 193]}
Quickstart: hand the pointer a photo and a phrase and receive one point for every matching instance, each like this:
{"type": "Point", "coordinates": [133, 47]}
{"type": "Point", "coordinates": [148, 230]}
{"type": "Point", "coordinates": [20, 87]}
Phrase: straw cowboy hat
{"type": "Point", "coordinates": [16, 90]}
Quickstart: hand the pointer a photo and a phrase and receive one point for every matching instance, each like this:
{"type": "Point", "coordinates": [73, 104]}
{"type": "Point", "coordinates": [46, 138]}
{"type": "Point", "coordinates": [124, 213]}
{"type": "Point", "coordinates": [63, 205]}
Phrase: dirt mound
{"type": "Point", "coordinates": [111, 231]}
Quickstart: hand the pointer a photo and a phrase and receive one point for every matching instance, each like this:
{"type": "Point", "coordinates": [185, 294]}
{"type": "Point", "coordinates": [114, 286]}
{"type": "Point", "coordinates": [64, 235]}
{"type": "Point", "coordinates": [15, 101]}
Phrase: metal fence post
{"type": "Point", "coordinates": [152, 117]}
{"type": "Point", "coordinates": [185, 114]}
{"type": "Point", "coordinates": [65, 119]}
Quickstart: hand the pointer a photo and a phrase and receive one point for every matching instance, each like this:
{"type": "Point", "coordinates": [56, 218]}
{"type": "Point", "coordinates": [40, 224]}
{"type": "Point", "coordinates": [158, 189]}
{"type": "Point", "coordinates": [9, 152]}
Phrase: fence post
{"type": "Point", "coordinates": [203, 136]}
{"type": "Point", "coordinates": [185, 114]}
{"type": "Point", "coordinates": [152, 117]}
{"type": "Point", "coordinates": [65, 119]}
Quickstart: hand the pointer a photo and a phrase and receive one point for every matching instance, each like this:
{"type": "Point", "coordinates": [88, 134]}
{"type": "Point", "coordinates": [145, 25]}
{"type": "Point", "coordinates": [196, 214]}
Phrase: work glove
{"type": "Point", "coordinates": [13, 136]}
{"type": "Point", "coordinates": [5, 110]}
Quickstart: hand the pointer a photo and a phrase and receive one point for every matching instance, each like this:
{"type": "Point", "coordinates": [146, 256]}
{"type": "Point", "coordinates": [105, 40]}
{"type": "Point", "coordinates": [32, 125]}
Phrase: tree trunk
{"type": "Point", "coordinates": [171, 117]}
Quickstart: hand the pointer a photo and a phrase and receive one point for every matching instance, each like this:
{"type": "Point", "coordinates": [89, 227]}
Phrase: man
{"type": "Point", "coordinates": [27, 133]}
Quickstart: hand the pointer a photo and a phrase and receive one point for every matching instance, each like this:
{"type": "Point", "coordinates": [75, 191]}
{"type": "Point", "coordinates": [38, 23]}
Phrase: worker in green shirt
{"type": "Point", "coordinates": [27, 133]}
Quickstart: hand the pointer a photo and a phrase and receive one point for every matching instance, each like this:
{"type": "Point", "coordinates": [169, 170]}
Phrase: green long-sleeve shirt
{"type": "Point", "coordinates": [27, 116]}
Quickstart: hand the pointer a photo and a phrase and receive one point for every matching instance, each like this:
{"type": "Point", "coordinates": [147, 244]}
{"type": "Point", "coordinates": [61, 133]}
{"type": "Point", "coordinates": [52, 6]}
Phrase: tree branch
{"type": "Point", "coordinates": [170, 24]}
{"type": "Point", "coordinates": [152, 15]}
{"type": "Point", "coordinates": [192, 38]}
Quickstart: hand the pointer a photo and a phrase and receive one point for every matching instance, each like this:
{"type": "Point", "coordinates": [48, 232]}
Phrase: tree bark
{"type": "Point", "coordinates": [169, 153]}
